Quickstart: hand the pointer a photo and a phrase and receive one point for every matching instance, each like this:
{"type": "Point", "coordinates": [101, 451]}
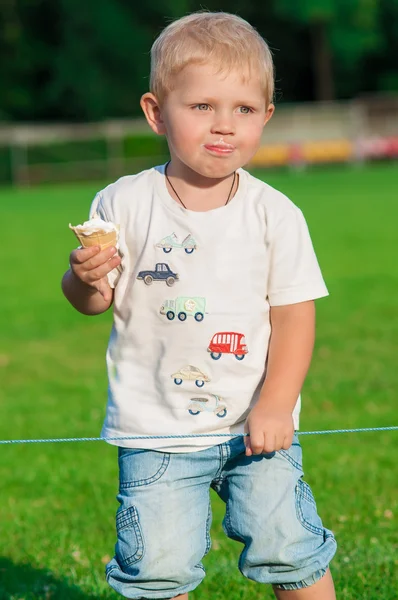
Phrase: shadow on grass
{"type": "Point", "coordinates": [21, 581]}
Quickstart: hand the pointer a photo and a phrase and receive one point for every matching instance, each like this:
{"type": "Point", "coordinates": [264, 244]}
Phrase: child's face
{"type": "Point", "coordinates": [213, 121]}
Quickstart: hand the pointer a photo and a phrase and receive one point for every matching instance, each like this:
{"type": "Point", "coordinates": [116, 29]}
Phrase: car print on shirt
{"type": "Point", "coordinates": [183, 307]}
{"type": "Point", "coordinates": [190, 373]}
{"type": "Point", "coordinates": [211, 403]}
{"type": "Point", "coordinates": [228, 342]}
{"type": "Point", "coordinates": [161, 272]}
{"type": "Point", "coordinates": [171, 241]}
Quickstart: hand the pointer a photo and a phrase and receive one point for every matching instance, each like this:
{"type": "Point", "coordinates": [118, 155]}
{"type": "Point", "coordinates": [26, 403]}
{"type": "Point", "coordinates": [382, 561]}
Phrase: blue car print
{"type": "Point", "coordinates": [162, 272]}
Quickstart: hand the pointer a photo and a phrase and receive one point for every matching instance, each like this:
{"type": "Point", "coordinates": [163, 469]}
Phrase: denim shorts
{"type": "Point", "coordinates": [163, 522]}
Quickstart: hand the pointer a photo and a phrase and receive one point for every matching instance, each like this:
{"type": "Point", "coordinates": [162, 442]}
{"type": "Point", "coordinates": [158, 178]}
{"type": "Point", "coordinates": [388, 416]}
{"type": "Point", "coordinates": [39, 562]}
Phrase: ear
{"type": "Point", "coordinates": [269, 113]}
{"type": "Point", "coordinates": [152, 112]}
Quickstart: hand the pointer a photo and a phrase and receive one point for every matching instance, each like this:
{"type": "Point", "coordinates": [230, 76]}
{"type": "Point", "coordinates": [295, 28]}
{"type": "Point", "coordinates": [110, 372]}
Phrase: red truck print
{"type": "Point", "coordinates": [228, 342]}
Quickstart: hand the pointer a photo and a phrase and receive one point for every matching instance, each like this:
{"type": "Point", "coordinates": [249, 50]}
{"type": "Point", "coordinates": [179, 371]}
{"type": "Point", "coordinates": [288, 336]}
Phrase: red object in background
{"type": "Point", "coordinates": [381, 147]}
{"type": "Point", "coordinates": [392, 147]}
{"type": "Point", "coordinates": [373, 148]}
{"type": "Point", "coordinates": [296, 154]}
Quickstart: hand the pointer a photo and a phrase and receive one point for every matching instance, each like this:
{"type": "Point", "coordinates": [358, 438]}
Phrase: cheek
{"type": "Point", "coordinates": [184, 127]}
{"type": "Point", "coordinates": [254, 133]}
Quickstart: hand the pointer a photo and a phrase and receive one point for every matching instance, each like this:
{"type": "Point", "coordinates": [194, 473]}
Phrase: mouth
{"type": "Point", "coordinates": [220, 148]}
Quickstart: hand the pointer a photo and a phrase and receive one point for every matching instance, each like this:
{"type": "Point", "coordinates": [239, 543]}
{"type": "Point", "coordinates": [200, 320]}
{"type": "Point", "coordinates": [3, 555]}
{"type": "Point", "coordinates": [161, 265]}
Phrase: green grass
{"type": "Point", "coordinates": [57, 501]}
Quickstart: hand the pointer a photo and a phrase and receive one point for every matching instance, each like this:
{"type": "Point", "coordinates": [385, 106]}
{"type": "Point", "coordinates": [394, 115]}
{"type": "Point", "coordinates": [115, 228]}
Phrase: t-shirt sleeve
{"type": "Point", "coordinates": [294, 273]}
{"type": "Point", "coordinates": [97, 209]}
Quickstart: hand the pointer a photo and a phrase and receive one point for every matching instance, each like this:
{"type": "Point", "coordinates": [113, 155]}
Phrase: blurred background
{"type": "Point", "coordinates": [72, 74]}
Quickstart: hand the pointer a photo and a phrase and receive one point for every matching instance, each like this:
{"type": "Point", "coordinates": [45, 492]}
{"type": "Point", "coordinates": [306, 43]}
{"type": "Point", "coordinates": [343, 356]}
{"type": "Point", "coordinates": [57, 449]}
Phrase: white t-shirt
{"type": "Point", "coordinates": [189, 342]}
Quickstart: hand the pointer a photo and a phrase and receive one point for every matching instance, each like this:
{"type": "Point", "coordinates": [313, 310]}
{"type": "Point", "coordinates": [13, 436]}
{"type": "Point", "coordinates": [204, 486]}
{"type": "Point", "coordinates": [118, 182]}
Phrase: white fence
{"type": "Point", "coordinates": [360, 123]}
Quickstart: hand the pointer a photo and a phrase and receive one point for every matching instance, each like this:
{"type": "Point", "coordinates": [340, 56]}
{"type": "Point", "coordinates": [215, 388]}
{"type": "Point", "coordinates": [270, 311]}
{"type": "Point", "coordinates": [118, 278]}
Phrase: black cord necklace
{"type": "Point", "coordinates": [174, 190]}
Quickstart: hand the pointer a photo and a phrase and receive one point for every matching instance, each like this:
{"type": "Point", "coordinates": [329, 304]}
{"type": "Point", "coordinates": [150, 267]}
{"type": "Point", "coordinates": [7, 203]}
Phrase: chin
{"type": "Point", "coordinates": [222, 173]}
{"type": "Point", "coordinates": [218, 170]}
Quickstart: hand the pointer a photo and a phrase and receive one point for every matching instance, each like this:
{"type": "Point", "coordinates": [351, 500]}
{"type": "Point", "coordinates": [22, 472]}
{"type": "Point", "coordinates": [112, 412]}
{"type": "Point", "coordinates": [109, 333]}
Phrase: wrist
{"type": "Point", "coordinates": [281, 401]}
{"type": "Point", "coordinates": [85, 298]}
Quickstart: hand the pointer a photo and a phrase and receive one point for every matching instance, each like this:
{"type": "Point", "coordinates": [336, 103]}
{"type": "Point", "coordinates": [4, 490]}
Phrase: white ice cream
{"type": "Point", "coordinates": [94, 226]}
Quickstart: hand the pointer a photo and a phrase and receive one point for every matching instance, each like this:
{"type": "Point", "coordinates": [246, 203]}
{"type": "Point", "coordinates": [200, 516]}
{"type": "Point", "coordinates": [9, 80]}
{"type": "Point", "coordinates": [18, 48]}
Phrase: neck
{"type": "Point", "coordinates": [203, 193]}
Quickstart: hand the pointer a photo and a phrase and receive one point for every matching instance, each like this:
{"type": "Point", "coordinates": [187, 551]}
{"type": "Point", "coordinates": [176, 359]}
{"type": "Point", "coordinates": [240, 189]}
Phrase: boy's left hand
{"type": "Point", "coordinates": [270, 429]}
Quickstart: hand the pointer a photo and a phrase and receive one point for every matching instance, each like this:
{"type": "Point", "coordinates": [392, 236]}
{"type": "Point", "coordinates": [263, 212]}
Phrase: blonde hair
{"type": "Point", "coordinates": [221, 38]}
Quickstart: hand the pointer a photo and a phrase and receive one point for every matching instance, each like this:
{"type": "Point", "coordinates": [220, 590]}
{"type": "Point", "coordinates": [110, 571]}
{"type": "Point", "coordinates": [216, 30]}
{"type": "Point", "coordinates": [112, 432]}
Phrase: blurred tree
{"type": "Point", "coordinates": [25, 39]}
{"type": "Point", "coordinates": [101, 59]}
{"type": "Point", "coordinates": [89, 59]}
{"type": "Point", "coordinates": [342, 32]}
{"type": "Point", "coordinates": [381, 69]}
{"type": "Point", "coordinates": [77, 60]}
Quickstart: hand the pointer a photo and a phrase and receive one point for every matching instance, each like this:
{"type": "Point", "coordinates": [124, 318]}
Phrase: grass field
{"type": "Point", "coordinates": [57, 501]}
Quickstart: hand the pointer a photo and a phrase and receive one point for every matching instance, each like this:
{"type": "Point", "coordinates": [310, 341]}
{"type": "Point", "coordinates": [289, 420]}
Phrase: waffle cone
{"type": "Point", "coordinates": [105, 239]}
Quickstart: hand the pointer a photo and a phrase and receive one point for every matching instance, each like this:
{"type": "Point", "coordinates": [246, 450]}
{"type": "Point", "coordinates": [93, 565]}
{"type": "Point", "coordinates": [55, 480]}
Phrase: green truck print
{"type": "Point", "coordinates": [183, 307]}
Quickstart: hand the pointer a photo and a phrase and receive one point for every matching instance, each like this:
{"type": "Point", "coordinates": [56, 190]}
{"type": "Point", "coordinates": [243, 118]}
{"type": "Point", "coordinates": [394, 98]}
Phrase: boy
{"type": "Point", "coordinates": [213, 330]}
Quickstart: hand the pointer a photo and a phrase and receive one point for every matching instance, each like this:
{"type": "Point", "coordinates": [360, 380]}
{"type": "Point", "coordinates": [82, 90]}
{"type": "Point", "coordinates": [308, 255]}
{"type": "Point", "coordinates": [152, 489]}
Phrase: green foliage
{"type": "Point", "coordinates": [356, 31]}
{"type": "Point", "coordinates": [86, 61]}
{"type": "Point", "coordinates": [102, 47]}
{"type": "Point", "coordinates": [5, 165]}
{"type": "Point", "coordinates": [362, 12]}
{"type": "Point", "coordinates": [307, 10]}
{"type": "Point", "coordinates": [353, 31]}
{"type": "Point", "coordinates": [145, 145]}
{"type": "Point", "coordinates": [67, 152]}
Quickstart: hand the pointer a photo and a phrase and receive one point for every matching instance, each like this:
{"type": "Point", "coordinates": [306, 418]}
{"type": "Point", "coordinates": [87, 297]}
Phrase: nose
{"type": "Point", "coordinates": [223, 123]}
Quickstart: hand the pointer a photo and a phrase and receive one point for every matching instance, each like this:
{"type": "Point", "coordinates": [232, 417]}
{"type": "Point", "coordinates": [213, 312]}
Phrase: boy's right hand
{"type": "Point", "coordinates": [92, 265]}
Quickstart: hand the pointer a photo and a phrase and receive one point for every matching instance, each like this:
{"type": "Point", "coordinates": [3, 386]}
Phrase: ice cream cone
{"type": "Point", "coordinates": [105, 239]}
{"type": "Point", "coordinates": [97, 232]}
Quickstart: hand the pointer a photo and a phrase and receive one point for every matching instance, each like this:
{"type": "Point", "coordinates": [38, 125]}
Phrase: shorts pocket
{"type": "Point", "coordinates": [130, 543]}
{"type": "Point", "coordinates": [294, 454]}
{"type": "Point", "coordinates": [138, 467]}
{"type": "Point", "coordinates": [306, 508]}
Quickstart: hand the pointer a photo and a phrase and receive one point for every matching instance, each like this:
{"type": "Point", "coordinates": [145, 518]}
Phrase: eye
{"type": "Point", "coordinates": [245, 110]}
{"type": "Point", "coordinates": [202, 106]}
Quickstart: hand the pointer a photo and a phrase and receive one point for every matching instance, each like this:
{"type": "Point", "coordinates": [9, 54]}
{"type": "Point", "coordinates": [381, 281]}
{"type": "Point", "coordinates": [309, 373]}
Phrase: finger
{"type": "Point", "coordinates": [287, 441]}
{"type": "Point", "coordinates": [279, 440]}
{"type": "Point", "coordinates": [257, 442]}
{"type": "Point", "coordinates": [102, 271]}
{"type": "Point", "coordinates": [246, 440]}
{"type": "Point", "coordinates": [100, 259]}
{"type": "Point", "coordinates": [106, 293]}
{"type": "Point", "coordinates": [269, 443]}
{"type": "Point", "coordinates": [81, 255]}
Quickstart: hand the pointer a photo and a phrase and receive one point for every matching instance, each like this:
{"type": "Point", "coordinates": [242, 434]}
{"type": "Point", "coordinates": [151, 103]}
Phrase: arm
{"type": "Point", "coordinates": [270, 422]}
{"type": "Point", "coordinates": [85, 284]}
